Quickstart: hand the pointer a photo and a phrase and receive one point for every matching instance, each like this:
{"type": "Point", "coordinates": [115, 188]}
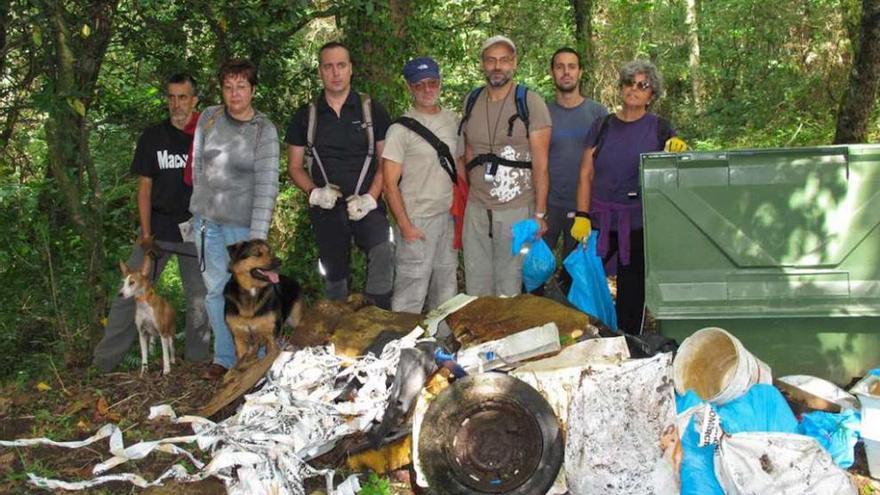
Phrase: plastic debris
{"type": "Point", "coordinates": [836, 433]}
{"type": "Point", "coordinates": [779, 463]}
{"type": "Point", "coordinates": [297, 415]}
{"type": "Point", "coordinates": [868, 392]}
{"type": "Point", "coordinates": [817, 393]}
{"type": "Point", "coordinates": [621, 410]}
{"type": "Point", "coordinates": [762, 408]}
{"type": "Point", "coordinates": [589, 289]}
{"type": "Point", "coordinates": [438, 314]}
{"type": "Point", "coordinates": [557, 378]}
{"type": "Point", "coordinates": [538, 262]}
{"type": "Point", "coordinates": [510, 350]}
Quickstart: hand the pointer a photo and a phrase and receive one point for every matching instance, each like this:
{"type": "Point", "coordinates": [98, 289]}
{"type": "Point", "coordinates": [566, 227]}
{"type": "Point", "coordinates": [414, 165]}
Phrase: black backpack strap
{"type": "Point", "coordinates": [443, 153]}
{"type": "Point", "coordinates": [600, 138]}
{"type": "Point", "coordinates": [469, 106]}
{"type": "Point", "coordinates": [520, 98]}
{"type": "Point", "coordinates": [486, 157]}
{"type": "Point", "coordinates": [492, 161]}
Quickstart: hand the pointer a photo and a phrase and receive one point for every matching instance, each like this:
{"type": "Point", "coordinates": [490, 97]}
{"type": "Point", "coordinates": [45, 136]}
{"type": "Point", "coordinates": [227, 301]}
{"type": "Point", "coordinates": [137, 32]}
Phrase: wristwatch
{"type": "Point", "coordinates": [540, 215]}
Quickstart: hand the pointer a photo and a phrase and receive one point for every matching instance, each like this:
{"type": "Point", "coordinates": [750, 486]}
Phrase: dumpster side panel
{"type": "Point", "coordinates": [764, 235]}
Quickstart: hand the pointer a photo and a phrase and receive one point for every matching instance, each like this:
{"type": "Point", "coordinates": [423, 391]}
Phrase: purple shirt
{"type": "Point", "coordinates": [617, 165]}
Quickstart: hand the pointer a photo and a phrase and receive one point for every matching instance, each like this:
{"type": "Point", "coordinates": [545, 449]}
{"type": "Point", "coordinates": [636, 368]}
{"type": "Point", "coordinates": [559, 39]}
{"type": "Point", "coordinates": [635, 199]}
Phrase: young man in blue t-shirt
{"type": "Point", "coordinates": [572, 115]}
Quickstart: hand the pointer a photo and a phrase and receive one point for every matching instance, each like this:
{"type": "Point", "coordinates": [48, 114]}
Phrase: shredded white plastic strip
{"type": "Point", "coordinates": [299, 413]}
{"type": "Point", "coordinates": [104, 432]}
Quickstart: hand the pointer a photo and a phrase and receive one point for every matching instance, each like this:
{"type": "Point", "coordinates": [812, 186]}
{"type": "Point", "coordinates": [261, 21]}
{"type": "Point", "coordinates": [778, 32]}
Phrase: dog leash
{"type": "Point", "coordinates": [202, 266]}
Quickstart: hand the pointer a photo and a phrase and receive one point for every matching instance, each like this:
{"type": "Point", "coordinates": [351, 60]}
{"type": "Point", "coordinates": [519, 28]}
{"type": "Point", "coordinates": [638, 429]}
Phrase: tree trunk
{"type": "Point", "coordinates": [79, 43]}
{"type": "Point", "coordinates": [861, 96]}
{"type": "Point", "coordinates": [583, 34]}
{"type": "Point", "coordinates": [4, 22]}
{"type": "Point", "coordinates": [376, 34]}
{"type": "Point", "coordinates": [694, 58]}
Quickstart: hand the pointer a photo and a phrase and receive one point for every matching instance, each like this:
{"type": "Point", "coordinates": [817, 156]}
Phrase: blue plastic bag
{"type": "Point", "coordinates": [836, 433]}
{"type": "Point", "coordinates": [589, 289]}
{"type": "Point", "coordinates": [762, 408]}
{"type": "Point", "coordinates": [539, 263]}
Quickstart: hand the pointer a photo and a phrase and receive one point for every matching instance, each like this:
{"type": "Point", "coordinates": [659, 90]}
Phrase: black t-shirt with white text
{"type": "Point", "coordinates": [161, 155]}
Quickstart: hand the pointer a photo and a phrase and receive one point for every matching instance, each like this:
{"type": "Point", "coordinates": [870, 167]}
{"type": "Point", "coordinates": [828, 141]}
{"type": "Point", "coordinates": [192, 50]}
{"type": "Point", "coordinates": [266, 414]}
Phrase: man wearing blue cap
{"type": "Point", "coordinates": [419, 174]}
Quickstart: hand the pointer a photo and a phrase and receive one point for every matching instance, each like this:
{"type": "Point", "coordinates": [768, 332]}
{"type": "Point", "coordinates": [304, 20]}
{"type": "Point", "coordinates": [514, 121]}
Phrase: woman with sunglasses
{"type": "Point", "coordinates": [608, 195]}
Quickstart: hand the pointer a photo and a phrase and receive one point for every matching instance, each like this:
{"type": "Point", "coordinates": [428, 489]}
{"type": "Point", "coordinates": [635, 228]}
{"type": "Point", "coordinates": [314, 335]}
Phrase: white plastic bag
{"type": "Point", "coordinates": [778, 463]}
{"type": "Point", "coordinates": [615, 419]}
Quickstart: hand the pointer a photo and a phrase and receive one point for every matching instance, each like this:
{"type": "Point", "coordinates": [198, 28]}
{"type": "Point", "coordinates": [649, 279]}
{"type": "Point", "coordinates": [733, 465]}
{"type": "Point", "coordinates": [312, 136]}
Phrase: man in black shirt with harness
{"type": "Point", "coordinates": [338, 138]}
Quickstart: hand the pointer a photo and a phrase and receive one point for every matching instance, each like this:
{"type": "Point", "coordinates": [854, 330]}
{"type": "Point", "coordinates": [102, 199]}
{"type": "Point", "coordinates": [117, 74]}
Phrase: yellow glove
{"type": "Point", "coordinates": [675, 144]}
{"type": "Point", "coordinates": [581, 228]}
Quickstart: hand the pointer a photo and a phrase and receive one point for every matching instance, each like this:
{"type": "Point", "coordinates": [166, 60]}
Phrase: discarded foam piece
{"type": "Point", "coordinates": [510, 350]}
{"type": "Point", "coordinates": [556, 378]}
{"type": "Point", "coordinates": [351, 326]}
{"type": "Point", "coordinates": [622, 410]}
{"type": "Point", "coordinates": [816, 393]}
{"type": "Point", "coordinates": [492, 318]}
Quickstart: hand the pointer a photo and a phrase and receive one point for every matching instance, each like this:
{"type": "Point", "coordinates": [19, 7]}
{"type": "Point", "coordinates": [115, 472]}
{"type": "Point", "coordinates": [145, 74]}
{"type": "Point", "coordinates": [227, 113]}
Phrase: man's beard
{"type": "Point", "coordinates": [500, 82]}
{"type": "Point", "coordinates": [567, 89]}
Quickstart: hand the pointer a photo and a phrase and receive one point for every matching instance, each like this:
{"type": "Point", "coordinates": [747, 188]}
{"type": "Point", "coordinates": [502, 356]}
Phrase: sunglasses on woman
{"type": "Point", "coordinates": [640, 85]}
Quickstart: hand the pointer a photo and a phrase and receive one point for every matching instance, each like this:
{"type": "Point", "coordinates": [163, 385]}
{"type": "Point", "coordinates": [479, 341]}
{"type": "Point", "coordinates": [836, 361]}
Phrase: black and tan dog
{"type": "Point", "coordinates": [259, 300]}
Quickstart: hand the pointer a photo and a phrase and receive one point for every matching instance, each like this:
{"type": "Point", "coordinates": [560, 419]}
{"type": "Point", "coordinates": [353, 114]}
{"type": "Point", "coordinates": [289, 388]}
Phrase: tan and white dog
{"type": "Point", "coordinates": [153, 316]}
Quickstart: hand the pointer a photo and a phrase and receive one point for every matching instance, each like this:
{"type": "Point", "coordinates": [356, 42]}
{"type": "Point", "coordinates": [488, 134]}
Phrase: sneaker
{"type": "Point", "coordinates": [214, 372]}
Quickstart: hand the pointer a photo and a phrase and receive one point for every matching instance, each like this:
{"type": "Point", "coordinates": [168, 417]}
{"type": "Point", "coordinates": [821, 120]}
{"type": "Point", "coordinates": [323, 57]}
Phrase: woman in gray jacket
{"type": "Point", "coordinates": [235, 183]}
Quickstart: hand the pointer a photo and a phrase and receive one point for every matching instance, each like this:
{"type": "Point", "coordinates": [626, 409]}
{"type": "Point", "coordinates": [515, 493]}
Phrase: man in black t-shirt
{"type": "Point", "coordinates": [163, 211]}
{"type": "Point", "coordinates": [344, 183]}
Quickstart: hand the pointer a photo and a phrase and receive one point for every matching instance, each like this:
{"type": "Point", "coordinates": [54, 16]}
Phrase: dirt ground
{"type": "Point", "coordinates": [72, 405]}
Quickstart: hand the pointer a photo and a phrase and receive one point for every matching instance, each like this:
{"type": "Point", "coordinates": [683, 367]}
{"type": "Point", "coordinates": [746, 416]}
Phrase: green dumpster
{"type": "Point", "coordinates": [778, 246]}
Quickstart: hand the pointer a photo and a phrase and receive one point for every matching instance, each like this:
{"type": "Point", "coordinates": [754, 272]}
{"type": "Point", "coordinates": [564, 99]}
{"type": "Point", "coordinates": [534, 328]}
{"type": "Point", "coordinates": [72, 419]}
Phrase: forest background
{"type": "Point", "coordinates": [79, 80]}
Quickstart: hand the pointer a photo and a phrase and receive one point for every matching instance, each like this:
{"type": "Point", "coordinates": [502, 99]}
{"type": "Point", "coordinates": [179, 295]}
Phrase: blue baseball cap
{"type": "Point", "coordinates": [421, 68]}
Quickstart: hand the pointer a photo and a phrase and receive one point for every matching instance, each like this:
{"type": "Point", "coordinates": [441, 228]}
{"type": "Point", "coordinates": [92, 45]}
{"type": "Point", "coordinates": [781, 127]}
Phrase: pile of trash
{"type": "Point", "coordinates": [537, 398]}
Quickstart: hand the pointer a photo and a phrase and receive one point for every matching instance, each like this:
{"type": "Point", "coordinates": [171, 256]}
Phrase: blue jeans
{"type": "Point", "coordinates": [215, 259]}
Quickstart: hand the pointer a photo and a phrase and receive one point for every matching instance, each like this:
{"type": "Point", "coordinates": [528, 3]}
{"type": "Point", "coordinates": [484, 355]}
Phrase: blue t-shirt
{"type": "Point", "coordinates": [570, 127]}
{"type": "Point", "coordinates": [617, 166]}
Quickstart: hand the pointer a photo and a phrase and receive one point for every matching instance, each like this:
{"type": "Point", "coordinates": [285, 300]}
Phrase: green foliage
{"type": "Point", "coordinates": [376, 486]}
{"type": "Point", "coordinates": [773, 75]}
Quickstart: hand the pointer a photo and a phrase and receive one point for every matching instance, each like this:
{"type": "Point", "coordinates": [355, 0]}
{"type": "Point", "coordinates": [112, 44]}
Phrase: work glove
{"type": "Point", "coordinates": [359, 205]}
{"type": "Point", "coordinates": [675, 144]}
{"type": "Point", "coordinates": [325, 197]}
{"type": "Point", "coordinates": [580, 230]}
